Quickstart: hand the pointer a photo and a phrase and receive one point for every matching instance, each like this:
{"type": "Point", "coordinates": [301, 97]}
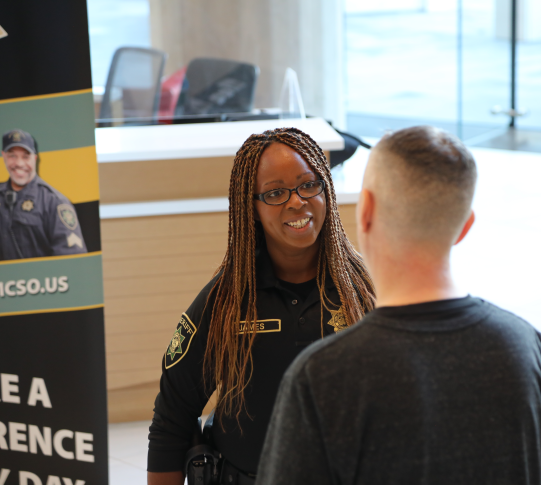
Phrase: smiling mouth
{"type": "Point", "coordinates": [299, 224]}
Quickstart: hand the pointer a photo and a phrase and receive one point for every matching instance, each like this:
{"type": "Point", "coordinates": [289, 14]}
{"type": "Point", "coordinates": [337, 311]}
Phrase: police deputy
{"type": "Point", "coordinates": [289, 277]}
{"type": "Point", "coordinates": [35, 219]}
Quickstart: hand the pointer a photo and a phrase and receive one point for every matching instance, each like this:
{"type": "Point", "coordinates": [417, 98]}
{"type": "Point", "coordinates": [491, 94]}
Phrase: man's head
{"type": "Point", "coordinates": [20, 156]}
{"type": "Point", "coordinates": [417, 193]}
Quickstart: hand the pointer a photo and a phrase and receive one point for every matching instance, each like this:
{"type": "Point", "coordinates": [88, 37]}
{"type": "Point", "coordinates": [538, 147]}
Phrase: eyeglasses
{"type": "Point", "coordinates": [306, 190]}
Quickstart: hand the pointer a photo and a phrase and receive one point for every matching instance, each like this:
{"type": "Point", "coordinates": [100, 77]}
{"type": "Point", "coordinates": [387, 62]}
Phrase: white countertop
{"type": "Point", "coordinates": [198, 140]}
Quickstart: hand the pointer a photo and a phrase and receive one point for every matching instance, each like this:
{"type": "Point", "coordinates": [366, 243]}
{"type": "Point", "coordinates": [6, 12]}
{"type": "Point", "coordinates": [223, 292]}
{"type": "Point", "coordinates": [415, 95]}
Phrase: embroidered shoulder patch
{"type": "Point", "coordinates": [338, 320]}
{"type": "Point", "coordinates": [180, 343]}
{"type": "Point", "coordinates": [261, 326]}
{"type": "Point", "coordinates": [67, 215]}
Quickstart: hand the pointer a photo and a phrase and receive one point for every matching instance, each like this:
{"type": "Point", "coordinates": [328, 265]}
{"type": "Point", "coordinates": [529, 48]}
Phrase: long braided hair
{"type": "Point", "coordinates": [228, 357]}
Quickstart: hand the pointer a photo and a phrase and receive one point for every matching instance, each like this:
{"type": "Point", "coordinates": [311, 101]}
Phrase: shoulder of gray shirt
{"type": "Point", "coordinates": [327, 349]}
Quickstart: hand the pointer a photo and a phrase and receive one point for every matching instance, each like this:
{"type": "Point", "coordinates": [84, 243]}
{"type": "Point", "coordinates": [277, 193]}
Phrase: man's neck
{"type": "Point", "coordinates": [411, 280]}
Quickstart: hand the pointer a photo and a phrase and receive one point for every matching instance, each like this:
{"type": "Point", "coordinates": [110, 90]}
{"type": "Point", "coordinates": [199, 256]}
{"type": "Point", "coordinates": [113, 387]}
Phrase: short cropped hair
{"type": "Point", "coordinates": [429, 182]}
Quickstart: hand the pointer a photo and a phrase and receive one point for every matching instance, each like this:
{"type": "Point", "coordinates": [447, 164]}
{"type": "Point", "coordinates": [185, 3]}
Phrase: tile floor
{"type": "Point", "coordinates": [128, 444]}
{"type": "Point", "coordinates": [128, 453]}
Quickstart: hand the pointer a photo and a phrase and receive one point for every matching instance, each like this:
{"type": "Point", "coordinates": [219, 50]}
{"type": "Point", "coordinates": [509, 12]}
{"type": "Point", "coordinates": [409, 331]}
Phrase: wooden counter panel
{"type": "Point", "coordinates": [133, 360]}
{"type": "Point", "coordinates": [151, 285]}
{"type": "Point", "coordinates": [160, 321]}
{"type": "Point", "coordinates": [136, 341]}
{"type": "Point", "coordinates": [167, 301]}
{"type": "Point", "coordinates": [153, 266]}
{"type": "Point", "coordinates": [174, 247]}
{"type": "Point", "coordinates": [133, 403]}
{"type": "Point", "coordinates": [129, 378]}
{"type": "Point", "coordinates": [193, 178]}
{"type": "Point", "coordinates": [164, 227]}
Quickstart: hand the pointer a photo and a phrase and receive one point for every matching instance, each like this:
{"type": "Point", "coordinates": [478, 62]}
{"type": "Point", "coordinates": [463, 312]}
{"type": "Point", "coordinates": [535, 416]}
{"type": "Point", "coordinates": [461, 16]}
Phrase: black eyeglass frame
{"type": "Point", "coordinates": [261, 197]}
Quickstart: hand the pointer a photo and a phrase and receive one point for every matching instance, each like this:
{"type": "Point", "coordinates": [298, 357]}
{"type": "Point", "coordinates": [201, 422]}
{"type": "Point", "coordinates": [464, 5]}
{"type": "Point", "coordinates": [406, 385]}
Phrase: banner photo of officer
{"type": "Point", "coordinates": [39, 221]}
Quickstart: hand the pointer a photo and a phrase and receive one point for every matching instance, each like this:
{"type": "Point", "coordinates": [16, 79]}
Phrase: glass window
{"type": "Point", "coordinates": [445, 63]}
{"type": "Point", "coordinates": [113, 24]}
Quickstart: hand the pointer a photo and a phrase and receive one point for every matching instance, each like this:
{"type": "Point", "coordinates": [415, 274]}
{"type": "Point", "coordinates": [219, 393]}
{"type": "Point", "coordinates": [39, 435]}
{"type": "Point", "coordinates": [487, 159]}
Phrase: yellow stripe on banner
{"type": "Point", "coordinates": [45, 96]}
{"type": "Point", "coordinates": [51, 258]}
{"type": "Point", "coordinates": [72, 172]}
{"type": "Point", "coordinates": [53, 310]}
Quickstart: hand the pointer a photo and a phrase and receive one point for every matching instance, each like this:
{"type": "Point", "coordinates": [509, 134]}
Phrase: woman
{"type": "Point", "coordinates": [289, 277]}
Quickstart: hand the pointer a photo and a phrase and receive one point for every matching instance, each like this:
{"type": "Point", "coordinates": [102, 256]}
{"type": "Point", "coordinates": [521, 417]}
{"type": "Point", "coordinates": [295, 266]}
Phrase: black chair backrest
{"type": "Point", "coordinates": [214, 86]}
{"type": "Point", "coordinates": [351, 143]}
{"type": "Point", "coordinates": [133, 84]}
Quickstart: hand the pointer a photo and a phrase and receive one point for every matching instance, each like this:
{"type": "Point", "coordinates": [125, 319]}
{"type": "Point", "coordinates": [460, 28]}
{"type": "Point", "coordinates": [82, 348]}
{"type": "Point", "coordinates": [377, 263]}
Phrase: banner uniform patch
{"type": "Point", "coordinates": [180, 343]}
{"type": "Point", "coordinates": [338, 320]}
{"type": "Point", "coordinates": [68, 216]}
{"type": "Point", "coordinates": [262, 326]}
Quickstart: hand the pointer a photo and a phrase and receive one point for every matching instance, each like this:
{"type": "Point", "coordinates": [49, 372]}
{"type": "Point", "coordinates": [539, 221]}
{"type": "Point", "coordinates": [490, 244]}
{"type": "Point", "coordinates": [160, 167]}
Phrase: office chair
{"type": "Point", "coordinates": [351, 143]}
{"type": "Point", "coordinates": [133, 85]}
{"type": "Point", "coordinates": [216, 86]}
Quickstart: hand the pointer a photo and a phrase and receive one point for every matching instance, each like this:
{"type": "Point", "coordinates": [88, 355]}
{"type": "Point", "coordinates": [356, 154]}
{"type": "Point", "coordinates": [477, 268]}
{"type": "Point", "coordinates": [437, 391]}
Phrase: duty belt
{"type": "Point", "coordinates": [206, 466]}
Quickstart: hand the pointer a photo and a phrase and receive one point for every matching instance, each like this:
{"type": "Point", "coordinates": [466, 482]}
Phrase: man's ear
{"type": "Point", "coordinates": [466, 227]}
{"type": "Point", "coordinates": [365, 211]}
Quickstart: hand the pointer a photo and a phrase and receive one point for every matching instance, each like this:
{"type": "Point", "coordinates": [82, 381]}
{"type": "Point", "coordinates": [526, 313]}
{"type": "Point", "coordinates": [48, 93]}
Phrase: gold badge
{"type": "Point", "coordinates": [27, 205]}
{"type": "Point", "coordinates": [16, 137]}
{"type": "Point", "coordinates": [338, 320]}
{"type": "Point", "coordinates": [261, 326]}
{"type": "Point", "coordinates": [180, 343]}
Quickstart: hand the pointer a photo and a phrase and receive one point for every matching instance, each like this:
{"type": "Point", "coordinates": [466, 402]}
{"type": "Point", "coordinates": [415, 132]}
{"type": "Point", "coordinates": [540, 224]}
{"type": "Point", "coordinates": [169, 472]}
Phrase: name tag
{"type": "Point", "coordinates": [261, 326]}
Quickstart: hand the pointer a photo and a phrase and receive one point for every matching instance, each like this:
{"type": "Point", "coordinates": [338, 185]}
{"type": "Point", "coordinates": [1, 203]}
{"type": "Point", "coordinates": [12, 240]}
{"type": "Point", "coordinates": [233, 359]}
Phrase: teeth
{"type": "Point", "coordinates": [299, 224]}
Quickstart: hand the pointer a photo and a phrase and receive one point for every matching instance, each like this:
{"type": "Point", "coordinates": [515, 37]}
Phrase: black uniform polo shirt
{"type": "Point", "coordinates": [286, 325]}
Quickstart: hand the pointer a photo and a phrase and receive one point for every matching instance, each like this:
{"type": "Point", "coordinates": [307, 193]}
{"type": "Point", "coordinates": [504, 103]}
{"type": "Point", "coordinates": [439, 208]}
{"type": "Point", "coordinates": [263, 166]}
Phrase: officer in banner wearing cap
{"type": "Point", "coordinates": [35, 219]}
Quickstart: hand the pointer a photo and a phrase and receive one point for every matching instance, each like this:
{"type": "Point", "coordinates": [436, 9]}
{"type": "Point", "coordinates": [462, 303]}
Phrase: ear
{"type": "Point", "coordinates": [466, 227]}
{"type": "Point", "coordinates": [365, 211]}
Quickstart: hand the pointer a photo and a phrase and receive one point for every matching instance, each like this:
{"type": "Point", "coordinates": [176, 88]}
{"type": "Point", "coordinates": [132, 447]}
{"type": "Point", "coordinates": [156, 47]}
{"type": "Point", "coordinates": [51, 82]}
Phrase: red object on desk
{"type": "Point", "coordinates": [170, 92]}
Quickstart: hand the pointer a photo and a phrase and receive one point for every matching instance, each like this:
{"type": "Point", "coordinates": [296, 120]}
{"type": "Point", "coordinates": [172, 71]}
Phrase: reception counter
{"type": "Point", "coordinates": [164, 218]}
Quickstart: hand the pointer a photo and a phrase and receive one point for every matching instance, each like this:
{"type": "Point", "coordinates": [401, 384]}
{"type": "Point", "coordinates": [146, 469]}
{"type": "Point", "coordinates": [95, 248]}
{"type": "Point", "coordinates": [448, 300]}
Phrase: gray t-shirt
{"type": "Point", "coordinates": [444, 392]}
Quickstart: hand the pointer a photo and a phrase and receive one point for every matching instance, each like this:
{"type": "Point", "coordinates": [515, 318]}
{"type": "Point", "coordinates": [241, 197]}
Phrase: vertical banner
{"type": "Point", "coordinates": [53, 416]}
